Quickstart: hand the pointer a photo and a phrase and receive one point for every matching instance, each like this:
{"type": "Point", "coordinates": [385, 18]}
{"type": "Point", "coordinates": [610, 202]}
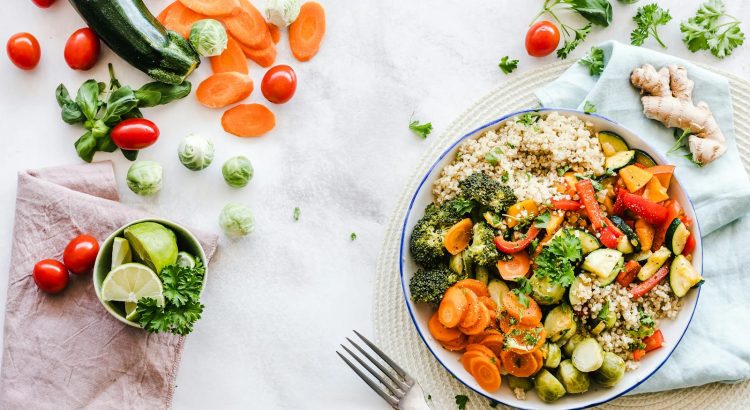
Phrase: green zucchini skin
{"type": "Point", "coordinates": [131, 31]}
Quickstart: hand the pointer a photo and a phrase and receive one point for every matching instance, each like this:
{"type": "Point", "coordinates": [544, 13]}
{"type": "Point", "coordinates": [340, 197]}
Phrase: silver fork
{"type": "Point", "coordinates": [394, 385]}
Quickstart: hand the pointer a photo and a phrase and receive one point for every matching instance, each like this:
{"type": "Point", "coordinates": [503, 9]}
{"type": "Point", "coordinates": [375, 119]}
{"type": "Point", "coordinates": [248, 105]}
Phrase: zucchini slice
{"type": "Point", "coordinates": [682, 276]}
{"type": "Point", "coordinates": [588, 355]}
{"type": "Point", "coordinates": [654, 263]}
{"type": "Point", "coordinates": [619, 160]}
{"type": "Point", "coordinates": [611, 143]}
{"type": "Point", "coordinates": [497, 289]}
{"type": "Point", "coordinates": [613, 275]}
{"type": "Point", "coordinates": [632, 237]}
{"type": "Point", "coordinates": [589, 243]}
{"type": "Point", "coordinates": [624, 246]}
{"type": "Point", "coordinates": [677, 236]}
{"type": "Point", "coordinates": [602, 262]}
{"type": "Point", "coordinates": [641, 157]}
{"type": "Point", "coordinates": [642, 256]}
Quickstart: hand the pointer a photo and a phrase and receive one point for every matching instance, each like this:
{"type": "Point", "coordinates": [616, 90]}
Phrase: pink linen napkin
{"type": "Point", "coordinates": [65, 350]}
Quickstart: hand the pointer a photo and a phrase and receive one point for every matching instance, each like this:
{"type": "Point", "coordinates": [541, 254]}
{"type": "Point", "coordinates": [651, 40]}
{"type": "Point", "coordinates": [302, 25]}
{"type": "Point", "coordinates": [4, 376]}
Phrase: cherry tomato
{"type": "Point", "coordinates": [43, 3]}
{"type": "Point", "coordinates": [80, 254]}
{"type": "Point", "coordinates": [134, 133]}
{"type": "Point", "coordinates": [279, 84]}
{"type": "Point", "coordinates": [50, 276]}
{"type": "Point", "coordinates": [24, 50]}
{"type": "Point", "coordinates": [82, 49]}
{"type": "Point", "coordinates": [542, 39]}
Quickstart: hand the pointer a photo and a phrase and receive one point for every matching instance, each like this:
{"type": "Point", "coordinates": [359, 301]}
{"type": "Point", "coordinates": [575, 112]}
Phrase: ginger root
{"type": "Point", "coordinates": [667, 98]}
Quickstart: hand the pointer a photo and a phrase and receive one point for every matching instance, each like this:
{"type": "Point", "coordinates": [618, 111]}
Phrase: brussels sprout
{"type": "Point", "coordinates": [144, 177]}
{"type": "Point", "coordinates": [185, 260]}
{"type": "Point", "coordinates": [553, 356]}
{"type": "Point", "coordinates": [519, 383]}
{"type": "Point", "coordinates": [456, 263]}
{"type": "Point", "coordinates": [208, 37]}
{"type": "Point", "coordinates": [196, 152]}
{"type": "Point", "coordinates": [547, 387]}
{"type": "Point", "coordinates": [559, 322]}
{"type": "Point", "coordinates": [546, 292]}
{"type": "Point", "coordinates": [237, 171]}
{"type": "Point", "coordinates": [282, 13]}
{"type": "Point", "coordinates": [612, 370]}
{"type": "Point", "coordinates": [497, 289]}
{"type": "Point", "coordinates": [588, 355]}
{"type": "Point", "coordinates": [236, 220]}
{"type": "Point", "coordinates": [574, 380]}
{"type": "Point", "coordinates": [570, 345]}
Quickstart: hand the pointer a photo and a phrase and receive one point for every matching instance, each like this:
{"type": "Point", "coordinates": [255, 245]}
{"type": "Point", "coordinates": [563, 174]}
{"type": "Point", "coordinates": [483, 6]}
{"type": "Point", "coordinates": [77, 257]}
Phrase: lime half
{"type": "Point", "coordinates": [130, 282]}
{"type": "Point", "coordinates": [121, 252]}
{"type": "Point", "coordinates": [153, 243]}
{"type": "Point", "coordinates": [130, 312]}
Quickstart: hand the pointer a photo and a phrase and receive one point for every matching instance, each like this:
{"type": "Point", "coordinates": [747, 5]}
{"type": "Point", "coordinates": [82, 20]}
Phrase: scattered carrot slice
{"type": "Point", "coordinates": [248, 120]}
{"type": "Point", "coordinates": [306, 33]}
{"type": "Point", "coordinates": [248, 26]}
{"type": "Point", "coordinates": [472, 312]}
{"type": "Point", "coordinates": [264, 57]}
{"type": "Point", "coordinates": [539, 360]}
{"type": "Point", "coordinates": [442, 333]}
{"type": "Point", "coordinates": [531, 315]}
{"type": "Point", "coordinates": [220, 90]}
{"type": "Point", "coordinates": [481, 324]}
{"type": "Point", "coordinates": [525, 339]}
{"type": "Point", "coordinates": [474, 285]}
{"type": "Point", "coordinates": [506, 321]}
{"type": "Point", "coordinates": [487, 301]}
{"type": "Point", "coordinates": [458, 236]}
{"type": "Point", "coordinates": [180, 19]}
{"type": "Point", "coordinates": [516, 267]}
{"type": "Point", "coordinates": [453, 307]}
{"type": "Point", "coordinates": [211, 7]}
{"type": "Point", "coordinates": [456, 344]}
{"type": "Point", "coordinates": [231, 59]}
{"type": "Point", "coordinates": [275, 32]}
{"type": "Point", "coordinates": [519, 365]}
{"type": "Point", "coordinates": [494, 342]}
{"type": "Point", "coordinates": [485, 372]}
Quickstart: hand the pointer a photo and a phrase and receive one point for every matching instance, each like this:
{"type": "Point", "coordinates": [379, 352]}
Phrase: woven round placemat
{"type": "Point", "coordinates": [394, 330]}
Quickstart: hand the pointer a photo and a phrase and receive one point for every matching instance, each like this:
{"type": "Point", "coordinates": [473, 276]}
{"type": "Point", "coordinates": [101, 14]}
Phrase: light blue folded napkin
{"type": "Point", "coordinates": [716, 347]}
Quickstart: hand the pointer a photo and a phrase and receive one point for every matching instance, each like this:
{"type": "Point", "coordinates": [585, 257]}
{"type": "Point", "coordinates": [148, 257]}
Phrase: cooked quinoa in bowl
{"type": "Point", "coordinates": [554, 257]}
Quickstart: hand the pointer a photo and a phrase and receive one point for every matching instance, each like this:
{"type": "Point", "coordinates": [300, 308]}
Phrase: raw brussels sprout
{"type": "Point", "coordinates": [546, 292]}
{"type": "Point", "coordinates": [574, 380]}
{"type": "Point", "coordinates": [588, 355]}
{"type": "Point", "coordinates": [553, 355]}
{"type": "Point", "coordinates": [559, 322]}
{"type": "Point", "coordinates": [208, 37]}
{"type": "Point", "coordinates": [196, 152]}
{"type": "Point", "coordinates": [237, 171]}
{"type": "Point", "coordinates": [282, 13]}
{"type": "Point", "coordinates": [144, 177]}
{"type": "Point", "coordinates": [612, 370]}
{"type": "Point", "coordinates": [547, 387]}
{"type": "Point", "coordinates": [185, 260]}
{"type": "Point", "coordinates": [519, 383]}
{"type": "Point", "coordinates": [570, 345]}
{"type": "Point", "coordinates": [236, 220]}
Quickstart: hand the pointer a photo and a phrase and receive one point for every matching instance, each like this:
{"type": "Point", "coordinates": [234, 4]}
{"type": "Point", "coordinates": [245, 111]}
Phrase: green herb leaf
{"type": "Point", "coordinates": [167, 93]}
{"type": "Point", "coordinates": [571, 44]}
{"type": "Point", "coordinates": [131, 155]}
{"type": "Point", "coordinates": [88, 99]}
{"type": "Point", "coordinates": [462, 206]}
{"type": "Point", "coordinates": [528, 119]}
{"type": "Point", "coordinates": [594, 60]}
{"type": "Point", "coordinates": [461, 401]}
{"type": "Point", "coordinates": [62, 96]}
{"type": "Point", "coordinates": [507, 65]}
{"type": "Point", "coordinates": [296, 213]}
{"type": "Point", "coordinates": [559, 258]}
{"type": "Point", "coordinates": [120, 102]}
{"type": "Point", "coordinates": [353, 236]}
{"type": "Point", "coordinates": [704, 31]}
{"type": "Point", "coordinates": [598, 12]}
{"type": "Point", "coordinates": [522, 291]}
{"type": "Point", "coordinates": [647, 20]}
{"type": "Point", "coordinates": [542, 220]}
{"type": "Point", "coordinates": [605, 310]}
{"type": "Point", "coordinates": [504, 177]}
{"type": "Point", "coordinates": [114, 83]}
{"type": "Point", "coordinates": [589, 107]}
{"type": "Point", "coordinates": [182, 307]}
{"type": "Point", "coordinates": [423, 130]}
{"type": "Point", "coordinates": [86, 146]}
{"type": "Point", "coordinates": [71, 113]}
{"type": "Point", "coordinates": [493, 156]}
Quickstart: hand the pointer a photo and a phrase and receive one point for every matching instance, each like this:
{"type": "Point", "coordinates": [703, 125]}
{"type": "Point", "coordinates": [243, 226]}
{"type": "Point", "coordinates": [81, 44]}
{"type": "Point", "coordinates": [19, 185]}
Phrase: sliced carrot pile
{"type": "Point", "coordinates": [494, 342]}
{"type": "Point", "coordinates": [211, 7]}
{"type": "Point", "coordinates": [179, 18]}
{"type": "Point", "coordinates": [264, 57]}
{"type": "Point", "coordinates": [306, 33]}
{"type": "Point", "coordinates": [516, 267]}
{"type": "Point", "coordinates": [275, 33]}
{"type": "Point", "coordinates": [474, 285]}
{"type": "Point", "coordinates": [231, 59]}
{"type": "Point", "coordinates": [519, 365]}
{"type": "Point", "coordinates": [455, 345]}
{"type": "Point", "coordinates": [506, 321]}
{"type": "Point", "coordinates": [453, 307]}
{"type": "Point", "coordinates": [220, 90]}
{"type": "Point", "coordinates": [482, 322]}
{"type": "Point", "coordinates": [248, 120]}
{"type": "Point", "coordinates": [440, 332]}
{"type": "Point", "coordinates": [458, 236]}
{"type": "Point", "coordinates": [489, 303]}
{"type": "Point", "coordinates": [248, 26]}
{"type": "Point", "coordinates": [473, 311]}
{"type": "Point", "coordinates": [530, 315]}
{"type": "Point", "coordinates": [484, 365]}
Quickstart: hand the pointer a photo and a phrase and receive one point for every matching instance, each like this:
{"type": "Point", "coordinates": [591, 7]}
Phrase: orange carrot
{"type": "Point", "coordinates": [456, 344]}
{"type": "Point", "coordinates": [468, 355]}
{"type": "Point", "coordinates": [220, 90]}
{"type": "Point", "coordinates": [486, 373]}
{"type": "Point", "coordinates": [264, 57]}
{"type": "Point", "coordinates": [180, 19]}
{"type": "Point", "coordinates": [458, 236]}
{"type": "Point", "coordinates": [453, 307]}
{"type": "Point", "coordinates": [248, 26]}
{"type": "Point", "coordinates": [440, 332]}
{"type": "Point", "coordinates": [539, 360]}
{"type": "Point", "coordinates": [480, 348]}
{"type": "Point", "coordinates": [525, 339]}
{"type": "Point", "coordinates": [474, 285]}
{"type": "Point", "coordinates": [211, 7]}
{"type": "Point", "coordinates": [482, 322]}
{"type": "Point", "coordinates": [531, 315]}
{"type": "Point", "coordinates": [275, 33]}
{"type": "Point", "coordinates": [506, 321]}
{"type": "Point", "coordinates": [162, 17]}
{"type": "Point", "coordinates": [248, 120]}
{"type": "Point", "coordinates": [519, 365]}
{"type": "Point", "coordinates": [494, 342]}
{"type": "Point", "coordinates": [472, 312]}
{"type": "Point", "coordinates": [489, 303]}
{"type": "Point", "coordinates": [477, 339]}
{"type": "Point", "coordinates": [231, 59]}
{"type": "Point", "coordinates": [306, 33]}
{"type": "Point", "coordinates": [516, 267]}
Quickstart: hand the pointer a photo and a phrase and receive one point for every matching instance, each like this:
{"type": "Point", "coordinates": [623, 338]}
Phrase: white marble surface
{"type": "Point", "coordinates": [281, 300]}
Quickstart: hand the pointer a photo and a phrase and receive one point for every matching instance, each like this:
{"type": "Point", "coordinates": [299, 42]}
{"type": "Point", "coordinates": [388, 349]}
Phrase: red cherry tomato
{"type": "Point", "coordinates": [23, 50]}
{"type": "Point", "coordinates": [82, 49]}
{"type": "Point", "coordinates": [43, 3]}
{"type": "Point", "coordinates": [80, 254]}
{"type": "Point", "coordinates": [279, 84]}
{"type": "Point", "coordinates": [50, 276]}
{"type": "Point", "coordinates": [134, 133]}
{"type": "Point", "coordinates": [542, 39]}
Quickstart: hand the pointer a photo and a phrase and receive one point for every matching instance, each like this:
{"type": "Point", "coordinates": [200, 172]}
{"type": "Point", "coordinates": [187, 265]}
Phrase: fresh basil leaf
{"type": "Point", "coordinates": [71, 113]}
{"type": "Point", "coordinates": [106, 144]}
{"type": "Point", "coordinates": [134, 113]}
{"type": "Point", "coordinates": [147, 98]}
{"type": "Point", "coordinates": [88, 98]}
{"type": "Point", "coordinates": [86, 146]}
{"type": "Point", "coordinates": [100, 129]}
{"type": "Point", "coordinates": [120, 102]}
{"type": "Point", "coordinates": [598, 12]}
{"type": "Point", "coordinates": [62, 96]}
{"type": "Point", "coordinates": [169, 92]}
{"type": "Point", "coordinates": [114, 83]}
{"type": "Point", "coordinates": [130, 154]}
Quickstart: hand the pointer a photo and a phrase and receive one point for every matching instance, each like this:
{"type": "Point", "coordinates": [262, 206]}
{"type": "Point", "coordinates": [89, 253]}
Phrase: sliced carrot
{"type": "Point", "coordinates": [440, 332]}
{"type": "Point", "coordinates": [516, 267]}
{"type": "Point", "coordinates": [486, 373]}
{"type": "Point", "coordinates": [476, 339]}
{"type": "Point", "coordinates": [453, 307]}
{"type": "Point", "coordinates": [474, 285]}
{"type": "Point", "coordinates": [472, 312]}
{"type": "Point", "coordinates": [458, 236]}
{"type": "Point", "coordinates": [455, 345]}
{"type": "Point", "coordinates": [506, 321]}
{"type": "Point", "coordinates": [231, 59]}
{"type": "Point", "coordinates": [539, 360]}
{"type": "Point", "coordinates": [481, 324]}
{"type": "Point", "coordinates": [220, 90]}
{"type": "Point", "coordinates": [162, 17]}
{"type": "Point", "coordinates": [525, 339]}
{"type": "Point", "coordinates": [530, 315]}
{"type": "Point", "coordinates": [264, 57]}
{"type": "Point", "coordinates": [494, 342]}
{"type": "Point", "coordinates": [519, 365]}
{"type": "Point", "coordinates": [487, 301]}
{"type": "Point", "coordinates": [275, 33]}
{"type": "Point", "coordinates": [478, 347]}
{"type": "Point", "coordinates": [306, 33]}
{"type": "Point", "coordinates": [180, 19]}
{"type": "Point", "coordinates": [468, 355]}
{"type": "Point", "coordinates": [248, 120]}
{"type": "Point", "coordinates": [212, 7]}
{"type": "Point", "coordinates": [248, 26]}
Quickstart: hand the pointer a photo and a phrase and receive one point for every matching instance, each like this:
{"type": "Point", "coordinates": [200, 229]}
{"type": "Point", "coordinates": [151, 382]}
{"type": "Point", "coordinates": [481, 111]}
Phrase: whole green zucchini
{"type": "Point", "coordinates": [131, 31]}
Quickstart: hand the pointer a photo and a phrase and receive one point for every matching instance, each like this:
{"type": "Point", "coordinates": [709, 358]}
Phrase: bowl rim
{"type": "Point", "coordinates": [660, 160]}
{"type": "Point", "coordinates": [108, 243]}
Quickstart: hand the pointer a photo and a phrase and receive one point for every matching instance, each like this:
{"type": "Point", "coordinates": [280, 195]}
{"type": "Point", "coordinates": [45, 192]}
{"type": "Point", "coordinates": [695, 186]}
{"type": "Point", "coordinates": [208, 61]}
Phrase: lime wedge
{"type": "Point", "coordinates": [185, 260]}
{"type": "Point", "coordinates": [153, 243]}
{"type": "Point", "coordinates": [130, 282]}
{"type": "Point", "coordinates": [130, 313]}
{"type": "Point", "coordinates": [121, 252]}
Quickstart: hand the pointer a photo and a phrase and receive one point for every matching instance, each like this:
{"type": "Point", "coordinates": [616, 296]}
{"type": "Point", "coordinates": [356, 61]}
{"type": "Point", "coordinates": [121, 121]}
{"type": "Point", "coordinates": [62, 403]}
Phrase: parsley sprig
{"type": "Point", "coordinates": [182, 307]}
{"type": "Point", "coordinates": [594, 60]}
{"type": "Point", "coordinates": [523, 291]}
{"type": "Point", "coordinates": [647, 20]}
{"type": "Point", "coordinates": [422, 130]}
{"type": "Point", "coordinates": [507, 65]}
{"type": "Point", "coordinates": [559, 258]}
{"type": "Point", "coordinates": [705, 32]}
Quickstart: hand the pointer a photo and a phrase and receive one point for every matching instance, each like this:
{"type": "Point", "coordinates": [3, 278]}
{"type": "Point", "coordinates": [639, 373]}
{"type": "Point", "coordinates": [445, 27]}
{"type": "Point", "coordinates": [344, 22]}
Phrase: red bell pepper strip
{"type": "Point", "coordinates": [650, 211]}
{"type": "Point", "coordinates": [638, 354]}
{"type": "Point", "coordinates": [519, 245]}
{"type": "Point", "coordinates": [674, 210]}
{"type": "Point", "coordinates": [655, 341]}
{"type": "Point", "coordinates": [588, 197]}
{"type": "Point", "coordinates": [608, 238]}
{"type": "Point", "coordinates": [689, 245]}
{"type": "Point", "coordinates": [618, 208]}
{"type": "Point", "coordinates": [611, 225]}
{"type": "Point", "coordinates": [648, 284]}
{"type": "Point", "coordinates": [566, 204]}
{"type": "Point", "coordinates": [628, 274]}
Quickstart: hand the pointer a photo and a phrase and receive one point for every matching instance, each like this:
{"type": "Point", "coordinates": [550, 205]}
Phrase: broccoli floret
{"type": "Point", "coordinates": [482, 249]}
{"type": "Point", "coordinates": [426, 243]}
{"type": "Point", "coordinates": [487, 192]}
{"type": "Point", "coordinates": [429, 285]}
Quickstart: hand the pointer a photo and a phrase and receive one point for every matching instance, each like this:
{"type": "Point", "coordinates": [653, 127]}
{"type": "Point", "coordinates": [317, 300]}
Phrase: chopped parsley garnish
{"type": "Point", "coordinates": [589, 107]}
{"type": "Point", "coordinates": [493, 156]}
{"type": "Point", "coordinates": [558, 258]}
{"type": "Point", "coordinates": [462, 205]}
{"type": "Point", "coordinates": [353, 236]}
{"type": "Point", "coordinates": [605, 311]}
{"type": "Point", "coordinates": [571, 44]}
{"type": "Point", "coordinates": [296, 214]}
{"type": "Point", "coordinates": [461, 401]}
{"type": "Point", "coordinates": [528, 119]}
{"type": "Point", "coordinates": [594, 60]}
{"type": "Point", "coordinates": [182, 308]}
{"type": "Point", "coordinates": [522, 291]}
{"type": "Point", "coordinates": [508, 65]}
{"type": "Point", "coordinates": [422, 130]}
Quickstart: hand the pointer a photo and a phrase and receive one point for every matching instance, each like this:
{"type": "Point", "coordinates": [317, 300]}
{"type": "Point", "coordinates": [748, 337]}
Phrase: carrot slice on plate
{"type": "Point", "coordinates": [477, 338]}
{"type": "Point", "coordinates": [306, 33]}
{"type": "Point", "coordinates": [539, 359]}
{"type": "Point", "coordinates": [515, 267]}
{"type": "Point", "coordinates": [525, 339]}
{"type": "Point", "coordinates": [264, 57]}
{"type": "Point", "coordinates": [455, 345]}
{"type": "Point", "coordinates": [530, 315]}
{"type": "Point", "coordinates": [476, 286]}
{"type": "Point", "coordinates": [480, 348]}
{"type": "Point", "coordinates": [468, 355]}
{"type": "Point", "coordinates": [231, 59]}
{"type": "Point", "coordinates": [458, 236]}
{"type": "Point", "coordinates": [212, 7]}
{"type": "Point", "coordinates": [180, 19]}
{"type": "Point", "coordinates": [248, 120]}
{"type": "Point", "coordinates": [453, 307]}
{"type": "Point", "coordinates": [275, 33]}
{"type": "Point", "coordinates": [494, 342]}
{"type": "Point", "coordinates": [519, 365]}
{"type": "Point", "coordinates": [482, 322]}
{"type": "Point", "coordinates": [440, 332]}
{"type": "Point", "coordinates": [220, 90]}
{"type": "Point", "coordinates": [248, 26]}
{"type": "Point", "coordinates": [485, 372]}
{"type": "Point", "coordinates": [472, 312]}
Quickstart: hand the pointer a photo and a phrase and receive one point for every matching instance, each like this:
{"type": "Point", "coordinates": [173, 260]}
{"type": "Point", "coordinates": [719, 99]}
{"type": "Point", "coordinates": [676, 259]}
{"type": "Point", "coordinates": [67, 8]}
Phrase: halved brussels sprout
{"type": "Point", "coordinates": [574, 380]}
{"type": "Point", "coordinates": [545, 291]}
{"type": "Point", "coordinates": [559, 321]}
{"type": "Point", "coordinates": [571, 344]}
{"type": "Point", "coordinates": [547, 387]}
{"type": "Point", "coordinates": [519, 383]}
{"type": "Point", "coordinates": [588, 355]}
{"type": "Point", "coordinates": [611, 371]}
{"type": "Point", "coordinates": [553, 356]}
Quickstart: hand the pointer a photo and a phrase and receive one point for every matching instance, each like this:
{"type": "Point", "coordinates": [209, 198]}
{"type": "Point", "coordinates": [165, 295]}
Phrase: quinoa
{"type": "Point", "coordinates": [530, 157]}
